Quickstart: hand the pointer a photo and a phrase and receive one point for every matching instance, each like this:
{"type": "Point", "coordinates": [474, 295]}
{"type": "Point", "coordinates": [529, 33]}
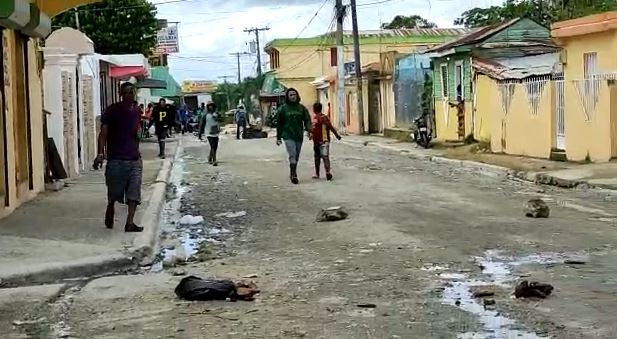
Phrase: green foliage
{"type": "Point", "coordinates": [116, 26]}
{"type": "Point", "coordinates": [412, 21]}
{"type": "Point", "coordinates": [228, 95]}
{"type": "Point", "coordinates": [541, 11]}
{"type": "Point", "coordinates": [427, 94]}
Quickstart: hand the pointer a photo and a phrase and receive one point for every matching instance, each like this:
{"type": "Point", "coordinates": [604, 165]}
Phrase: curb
{"type": "Point", "coordinates": [145, 243]}
{"type": "Point", "coordinates": [53, 272]}
{"type": "Point", "coordinates": [539, 178]}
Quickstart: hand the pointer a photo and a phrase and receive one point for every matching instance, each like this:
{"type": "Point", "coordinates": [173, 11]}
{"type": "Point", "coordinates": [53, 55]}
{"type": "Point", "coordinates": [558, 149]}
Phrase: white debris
{"type": "Point", "coordinates": [232, 214]}
{"type": "Point", "coordinates": [191, 220]}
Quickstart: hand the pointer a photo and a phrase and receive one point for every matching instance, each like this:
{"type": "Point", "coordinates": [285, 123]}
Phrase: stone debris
{"type": "Point", "coordinates": [332, 214]}
{"type": "Point", "coordinates": [537, 208]}
{"type": "Point", "coordinates": [574, 262]}
{"type": "Point", "coordinates": [29, 322]}
{"type": "Point", "coordinates": [483, 294]}
{"type": "Point", "coordinates": [367, 305]}
{"type": "Point", "coordinates": [191, 220]}
{"type": "Point", "coordinates": [525, 289]}
{"type": "Point", "coordinates": [232, 214]}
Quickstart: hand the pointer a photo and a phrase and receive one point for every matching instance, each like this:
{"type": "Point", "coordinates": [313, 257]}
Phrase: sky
{"type": "Point", "coordinates": [210, 30]}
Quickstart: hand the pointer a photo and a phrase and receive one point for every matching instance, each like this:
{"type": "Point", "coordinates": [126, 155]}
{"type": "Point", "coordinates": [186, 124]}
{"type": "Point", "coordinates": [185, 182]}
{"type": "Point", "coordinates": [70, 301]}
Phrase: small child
{"type": "Point", "coordinates": [321, 140]}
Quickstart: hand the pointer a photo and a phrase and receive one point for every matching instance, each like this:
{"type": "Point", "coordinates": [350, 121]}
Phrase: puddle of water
{"type": "Point", "coordinates": [497, 269]}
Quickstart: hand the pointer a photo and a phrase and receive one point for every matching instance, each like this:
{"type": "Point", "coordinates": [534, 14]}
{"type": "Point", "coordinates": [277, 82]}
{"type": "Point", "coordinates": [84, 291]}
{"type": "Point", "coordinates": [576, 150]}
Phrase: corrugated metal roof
{"type": "Point", "coordinates": [518, 68]}
{"type": "Point", "coordinates": [475, 36]}
{"type": "Point", "coordinates": [405, 32]}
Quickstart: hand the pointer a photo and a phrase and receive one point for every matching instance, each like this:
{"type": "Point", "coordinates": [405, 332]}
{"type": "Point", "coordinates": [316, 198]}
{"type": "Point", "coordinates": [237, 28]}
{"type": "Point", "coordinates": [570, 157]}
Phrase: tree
{"type": "Point", "coordinates": [116, 26]}
{"type": "Point", "coordinates": [542, 11]}
{"type": "Point", "coordinates": [412, 21]}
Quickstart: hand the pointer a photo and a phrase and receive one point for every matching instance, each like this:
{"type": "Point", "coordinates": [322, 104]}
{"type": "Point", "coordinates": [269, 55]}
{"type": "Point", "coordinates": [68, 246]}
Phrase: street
{"type": "Point", "coordinates": [419, 239]}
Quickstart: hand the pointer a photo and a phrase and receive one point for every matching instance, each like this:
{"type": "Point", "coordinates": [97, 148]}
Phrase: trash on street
{"type": "Point", "coordinates": [193, 288]}
{"type": "Point", "coordinates": [332, 214]}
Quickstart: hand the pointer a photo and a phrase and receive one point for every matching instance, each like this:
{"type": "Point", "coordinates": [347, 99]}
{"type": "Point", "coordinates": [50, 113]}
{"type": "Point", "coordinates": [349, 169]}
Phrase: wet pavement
{"type": "Point", "coordinates": [422, 241]}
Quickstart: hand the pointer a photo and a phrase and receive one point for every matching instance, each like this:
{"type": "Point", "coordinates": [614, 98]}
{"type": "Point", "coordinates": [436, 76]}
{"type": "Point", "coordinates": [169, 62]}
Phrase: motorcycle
{"type": "Point", "coordinates": [422, 134]}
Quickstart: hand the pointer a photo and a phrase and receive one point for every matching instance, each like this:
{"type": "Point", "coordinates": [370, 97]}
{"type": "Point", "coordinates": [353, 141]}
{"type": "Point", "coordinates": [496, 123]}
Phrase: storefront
{"type": "Point", "coordinates": [22, 142]}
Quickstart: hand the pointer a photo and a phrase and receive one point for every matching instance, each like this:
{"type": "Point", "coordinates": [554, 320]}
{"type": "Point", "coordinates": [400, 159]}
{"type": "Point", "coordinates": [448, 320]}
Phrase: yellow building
{"type": "Point", "coordinates": [22, 132]}
{"type": "Point", "coordinates": [590, 69]}
{"type": "Point", "coordinates": [515, 104]}
{"type": "Point", "coordinates": [298, 62]}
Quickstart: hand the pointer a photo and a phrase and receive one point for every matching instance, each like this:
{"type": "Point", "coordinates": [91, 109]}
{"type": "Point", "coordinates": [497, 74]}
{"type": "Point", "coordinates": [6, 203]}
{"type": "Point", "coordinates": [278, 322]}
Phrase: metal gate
{"type": "Point", "coordinates": [408, 88]}
{"type": "Point", "coordinates": [560, 130]}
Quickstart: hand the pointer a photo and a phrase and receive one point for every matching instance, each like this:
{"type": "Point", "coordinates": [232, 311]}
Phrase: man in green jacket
{"type": "Point", "coordinates": [291, 121]}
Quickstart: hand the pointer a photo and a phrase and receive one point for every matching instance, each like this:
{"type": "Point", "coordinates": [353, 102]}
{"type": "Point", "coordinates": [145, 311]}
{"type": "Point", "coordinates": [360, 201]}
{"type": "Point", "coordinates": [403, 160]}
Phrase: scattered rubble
{"type": "Point", "coordinates": [332, 214]}
{"type": "Point", "coordinates": [537, 208]}
{"type": "Point", "coordinates": [367, 305]}
{"type": "Point", "coordinates": [525, 289]}
{"type": "Point", "coordinates": [231, 214]}
{"type": "Point", "coordinates": [191, 220]}
{"type": "Point", "coordinates": [574, 262]}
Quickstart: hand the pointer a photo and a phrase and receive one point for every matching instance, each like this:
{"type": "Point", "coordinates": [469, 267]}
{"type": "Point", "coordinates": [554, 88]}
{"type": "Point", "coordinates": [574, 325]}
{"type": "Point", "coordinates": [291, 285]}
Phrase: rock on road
{"type": "Point", "coordinates": [413, 230]}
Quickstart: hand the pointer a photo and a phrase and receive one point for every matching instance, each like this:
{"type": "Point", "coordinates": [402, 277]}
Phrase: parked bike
{"type": "Point", "coordinates": [422, 134]}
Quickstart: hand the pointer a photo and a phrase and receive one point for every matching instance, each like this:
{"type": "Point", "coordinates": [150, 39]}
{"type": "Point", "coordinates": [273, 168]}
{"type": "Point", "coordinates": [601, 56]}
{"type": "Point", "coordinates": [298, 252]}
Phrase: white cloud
{"type": "Point", "coordinates": [212, 29]}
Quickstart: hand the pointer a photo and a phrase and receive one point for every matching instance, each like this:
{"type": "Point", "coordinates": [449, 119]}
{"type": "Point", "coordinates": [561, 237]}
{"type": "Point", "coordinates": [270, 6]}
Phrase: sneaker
{"type": "Point", "coordinates": [295, 181]}
{"type": "Point", "coordinates": [329, 176]}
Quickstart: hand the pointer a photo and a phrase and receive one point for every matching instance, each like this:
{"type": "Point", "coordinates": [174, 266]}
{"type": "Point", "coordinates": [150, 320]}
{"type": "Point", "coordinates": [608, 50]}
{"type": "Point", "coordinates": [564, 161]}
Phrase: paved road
{"type": "Point", "coordinates": [420, 238]}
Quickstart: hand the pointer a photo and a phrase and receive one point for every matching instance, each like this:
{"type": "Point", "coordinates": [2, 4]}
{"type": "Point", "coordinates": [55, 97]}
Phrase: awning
{"type": "Point", "coordinates": [126, 71]}
{"type": "Point", "coordinates": [151, 83]}
{"type": "Point", "coordinates": [271, 87]}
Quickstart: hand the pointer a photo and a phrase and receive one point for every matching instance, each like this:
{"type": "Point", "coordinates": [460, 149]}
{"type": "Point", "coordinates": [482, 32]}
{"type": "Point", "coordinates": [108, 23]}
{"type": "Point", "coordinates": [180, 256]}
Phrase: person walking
{"type": "Point", "coordinates": [162, 114]}
{"type": "Point", "coordinates": [119, 136]}
{"type": "Point", "coordinates": [292, 120]}
{"type": "Point", "coordinates": [183, 118]}
{"type": "Point", "coordinates": [321, 140]}
{"type": "Point", "coordinates": [212, 128]}
{"type": "Point", "coordinates": [241, 120]}
{"type": "Point", "coordinates": [146, 117]}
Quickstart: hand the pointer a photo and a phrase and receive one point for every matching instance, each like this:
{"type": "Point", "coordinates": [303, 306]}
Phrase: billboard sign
{"type": "Point", "coordinates": [167, 40]}
{"type": "Point", "coordinates": [198, 86]}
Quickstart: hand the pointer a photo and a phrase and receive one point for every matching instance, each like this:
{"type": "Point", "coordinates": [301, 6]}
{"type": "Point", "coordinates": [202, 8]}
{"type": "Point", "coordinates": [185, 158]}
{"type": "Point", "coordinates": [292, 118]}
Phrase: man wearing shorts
{"type": "Point", "coordinates": [321, 140]}
{"type": "Point", "coordinates": [119, 136]}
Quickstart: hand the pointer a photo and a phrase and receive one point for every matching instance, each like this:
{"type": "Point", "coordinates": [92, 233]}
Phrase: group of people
{"type": "Point", "coordinates": [122, 126]}
{"type": "Point", "coordinates": [292, 120]}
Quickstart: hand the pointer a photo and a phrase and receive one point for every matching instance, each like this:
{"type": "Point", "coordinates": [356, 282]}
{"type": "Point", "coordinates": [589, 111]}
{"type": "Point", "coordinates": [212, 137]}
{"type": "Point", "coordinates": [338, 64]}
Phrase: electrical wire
{"type": "Point", "coordinates": [307, 25]}
{"type": "Point", "coordinates": [319, 47]}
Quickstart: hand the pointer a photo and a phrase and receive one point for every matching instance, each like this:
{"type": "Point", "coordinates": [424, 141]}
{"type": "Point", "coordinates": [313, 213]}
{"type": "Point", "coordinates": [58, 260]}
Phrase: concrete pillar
{"type": "Point", "coordinates": [60, 99]}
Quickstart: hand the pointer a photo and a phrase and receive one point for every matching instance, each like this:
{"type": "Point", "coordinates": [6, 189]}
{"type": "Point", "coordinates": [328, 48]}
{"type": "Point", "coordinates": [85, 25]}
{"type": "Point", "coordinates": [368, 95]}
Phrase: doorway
{"type": "Point", "coordinates": [22, 123]}
{"type": "Point", "coordinates": [4, 177]}
{"type": "Point", "coordinates": [613, 118]}
{"type": "Point", "coordinates": [560, 114]}
{"type": "Point", "coordinates": [374, 114]}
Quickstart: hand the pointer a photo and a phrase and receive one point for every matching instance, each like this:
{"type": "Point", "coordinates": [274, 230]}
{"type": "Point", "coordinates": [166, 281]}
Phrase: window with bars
{"type": "Point", "coordinates": [590, 70]}
{"type": "Point", "coordinates": [590, 64]}
{"type": "Point", "coordinates": [275, 59]}
{"type": "Point", "coordinates": [444, 80]}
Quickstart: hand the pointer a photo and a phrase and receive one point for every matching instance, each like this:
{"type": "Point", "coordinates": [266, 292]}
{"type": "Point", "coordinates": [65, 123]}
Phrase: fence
{"type": "Point", "coordinates": [408, 87]}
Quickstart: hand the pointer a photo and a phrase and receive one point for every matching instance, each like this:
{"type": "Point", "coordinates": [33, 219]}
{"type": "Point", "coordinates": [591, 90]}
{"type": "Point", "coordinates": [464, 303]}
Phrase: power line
{"type": "Point", "coordinates": [322, 43]}
{"type": "Point", "coordinates": [307, 24]}
{"type": "Point", "coordinates": [256, 30]}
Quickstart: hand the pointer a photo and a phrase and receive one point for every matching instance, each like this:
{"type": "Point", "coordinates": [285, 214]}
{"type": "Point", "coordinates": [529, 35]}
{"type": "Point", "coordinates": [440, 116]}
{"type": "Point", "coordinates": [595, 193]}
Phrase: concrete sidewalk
{"type": "Point", "coordinates": [542, 171]}
{"type": "Point", "coordinates": [61, 234]}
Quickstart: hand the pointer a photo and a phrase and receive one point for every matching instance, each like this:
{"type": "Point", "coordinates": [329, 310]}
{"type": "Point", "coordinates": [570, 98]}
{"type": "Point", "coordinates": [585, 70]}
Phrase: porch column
{"type": "Point", "coordinates": [59, 93]}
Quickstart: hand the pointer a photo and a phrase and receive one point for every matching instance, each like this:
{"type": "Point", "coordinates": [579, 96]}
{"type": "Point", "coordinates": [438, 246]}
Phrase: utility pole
{"type": "Point", "coordinates": [358, 64]}
{"type": "Point", "coordinates": [256, 30]}
{"type": "Point", "coordinates": [340, 66]}
{"type": "Point", "coordinates": [238, 54]}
